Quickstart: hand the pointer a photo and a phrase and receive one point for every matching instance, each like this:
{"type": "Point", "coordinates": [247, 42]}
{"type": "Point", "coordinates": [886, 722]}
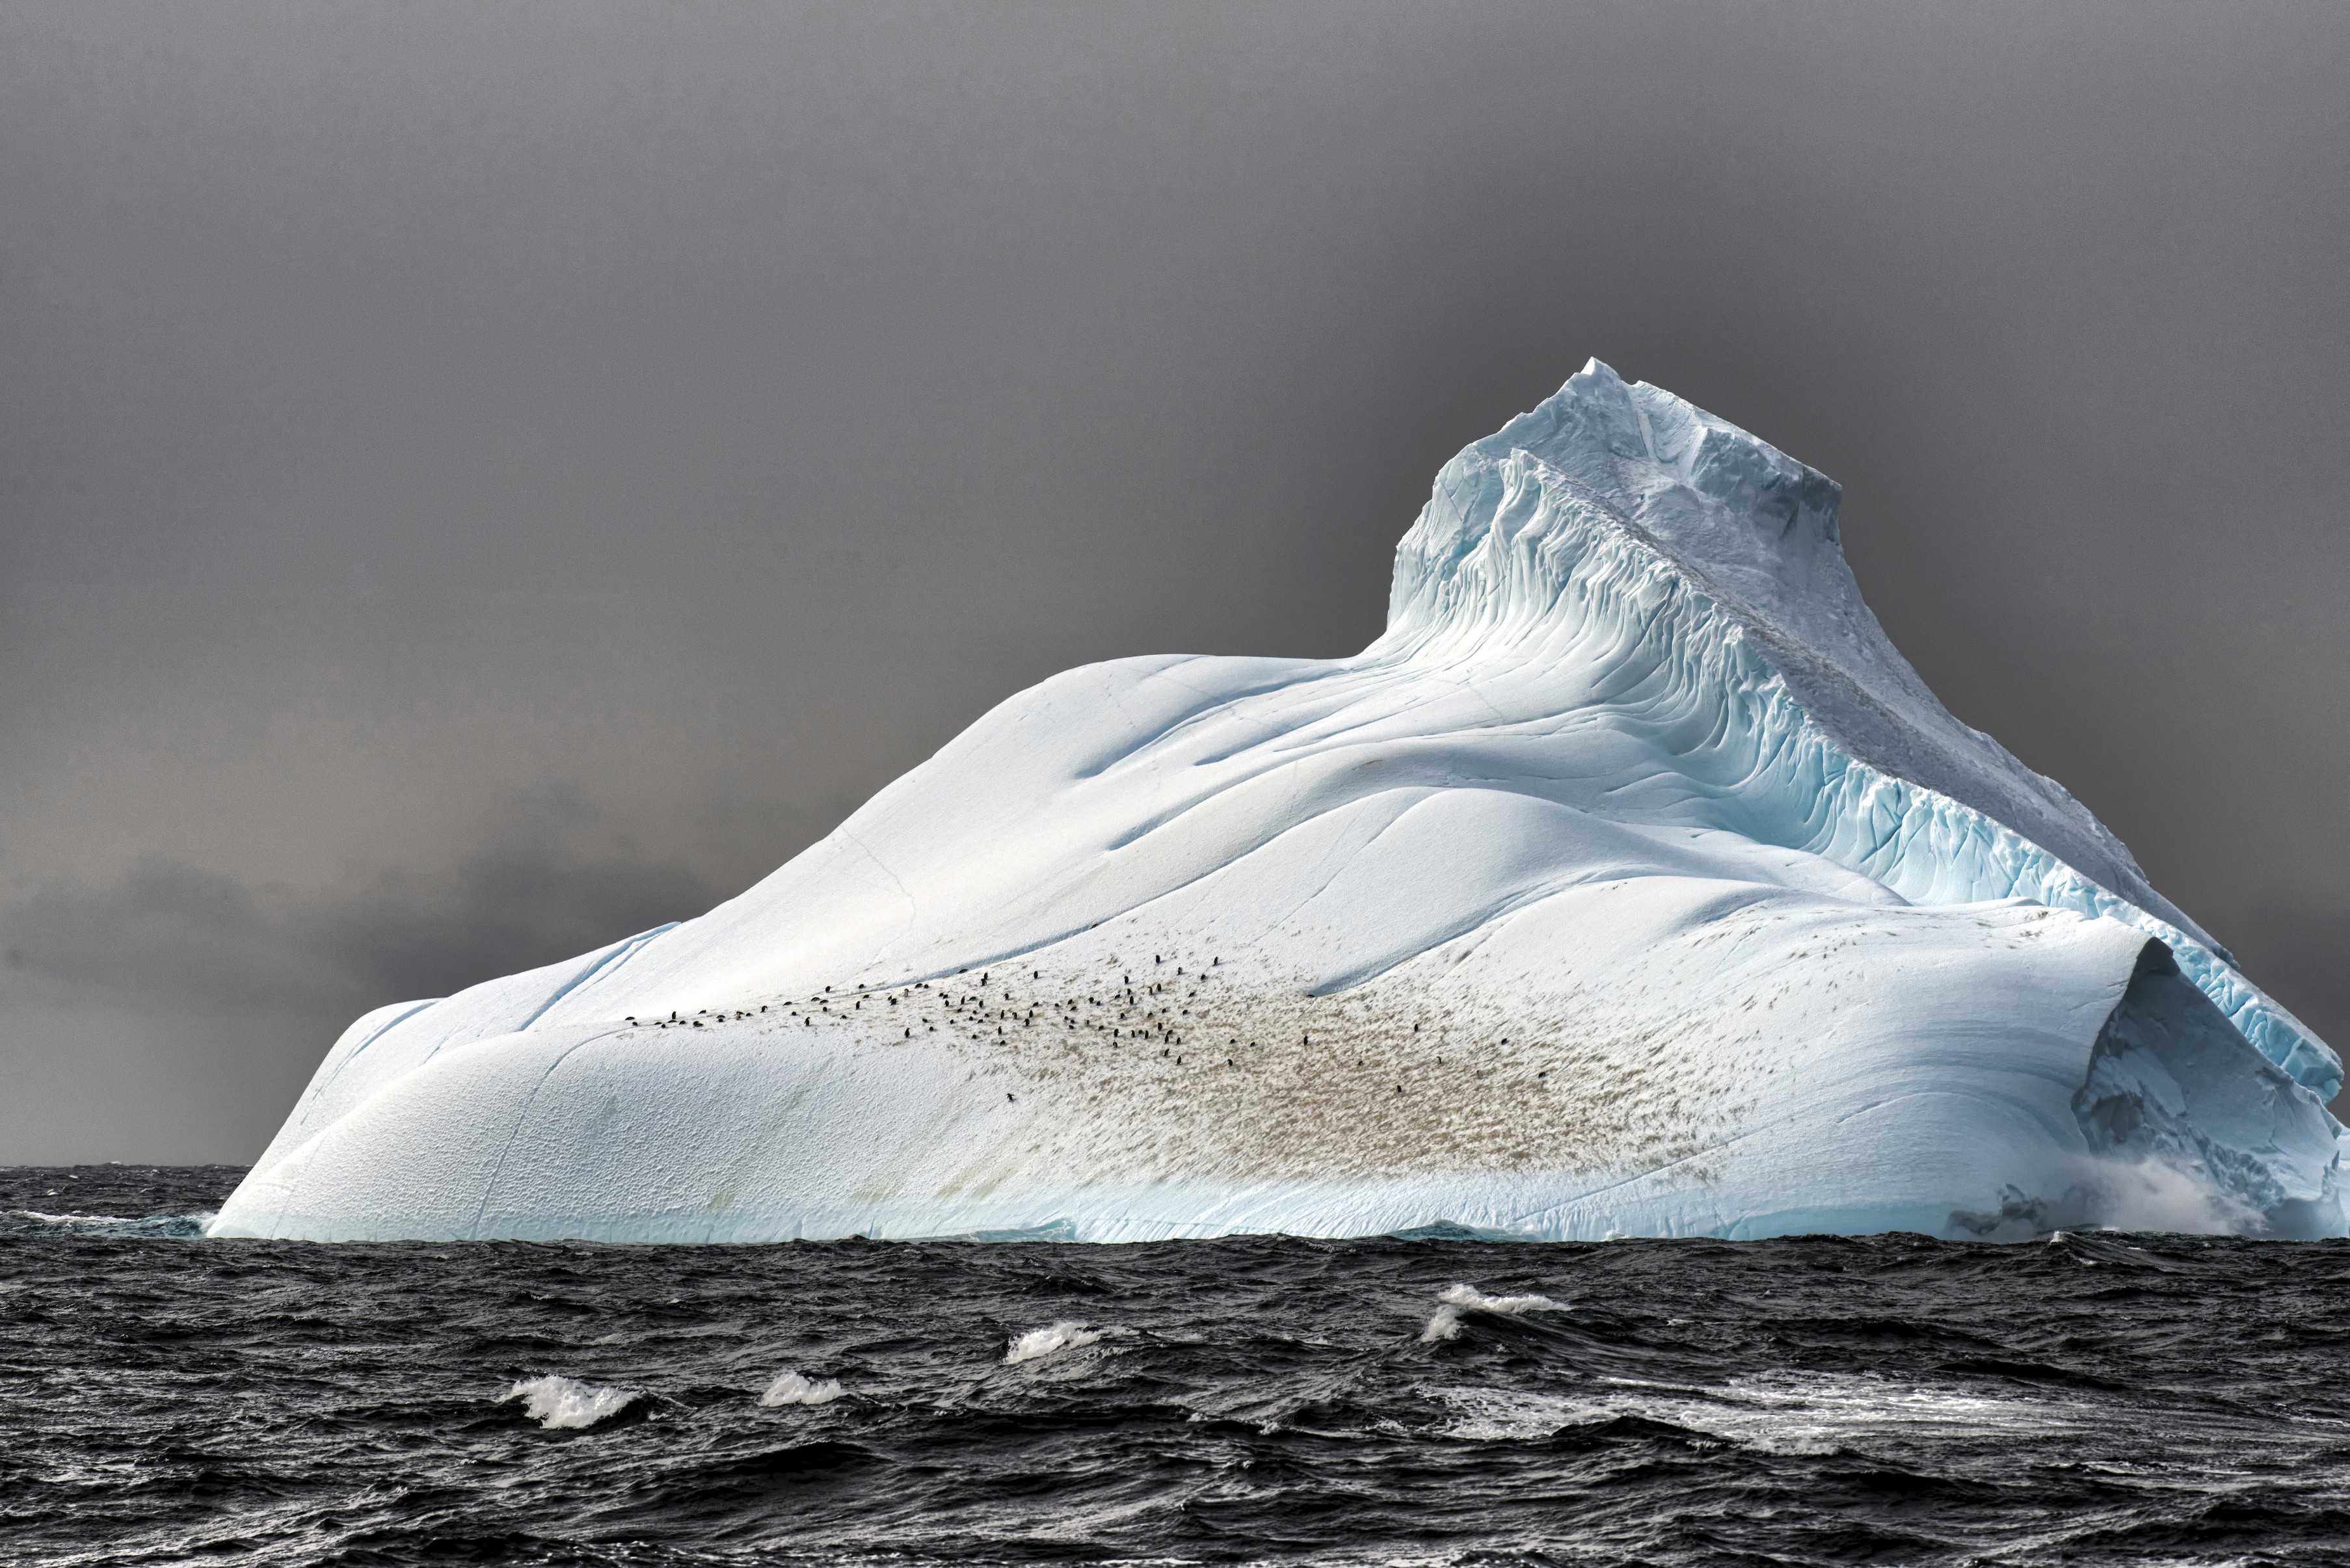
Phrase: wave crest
{"type": "Point", "coordinates": [791, 1388]}
{"type": "Point", "coordinates": [1065, 1334]}
{"type": "Point", "coordinates": [1460, 1298]}
{"type": "Point", "coordinates": [565, 1403]}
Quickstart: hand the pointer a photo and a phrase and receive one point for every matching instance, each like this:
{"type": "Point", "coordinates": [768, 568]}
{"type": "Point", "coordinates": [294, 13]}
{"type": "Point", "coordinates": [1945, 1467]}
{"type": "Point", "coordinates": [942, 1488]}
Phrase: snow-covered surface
{"type": "Point", "coordinates": [1630, 883]}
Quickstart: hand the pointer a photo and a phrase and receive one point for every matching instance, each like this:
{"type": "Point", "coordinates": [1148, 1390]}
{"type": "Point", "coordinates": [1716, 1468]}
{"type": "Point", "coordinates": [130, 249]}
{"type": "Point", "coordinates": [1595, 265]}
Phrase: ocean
{"type": "Point", "coordinates": [2092, 1398]}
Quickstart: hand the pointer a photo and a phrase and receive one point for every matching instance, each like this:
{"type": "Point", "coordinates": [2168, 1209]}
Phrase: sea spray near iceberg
{"type": "Point", "coordinates": [1629, 883]}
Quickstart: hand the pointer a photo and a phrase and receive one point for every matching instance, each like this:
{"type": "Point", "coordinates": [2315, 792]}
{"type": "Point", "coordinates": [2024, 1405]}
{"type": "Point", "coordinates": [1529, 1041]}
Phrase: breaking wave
{"type": "Point", "coordinates": [565, 1403]}
{"type": "Point", "coordinates": [1050, 1341]}
{"type": "Point", "coordinates": [791, 1388]}
{"type": "Point", "coordinates": [1459, 1298]}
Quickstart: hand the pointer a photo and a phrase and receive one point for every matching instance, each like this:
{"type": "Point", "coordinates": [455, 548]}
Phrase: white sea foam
{"type": "Point", "coordinates": [566, 1402]}
{"type": "Point", "coordinates": [791, 1388]}
{"type": "Point", "coordinates": [39, 1222]}
{"type": "Point", "coordinates": [1038, 1342]}
{"type": "Point", "coordinates": [1459, 1298]}
{"type": "Point", "coordinates": [1816, 1414]}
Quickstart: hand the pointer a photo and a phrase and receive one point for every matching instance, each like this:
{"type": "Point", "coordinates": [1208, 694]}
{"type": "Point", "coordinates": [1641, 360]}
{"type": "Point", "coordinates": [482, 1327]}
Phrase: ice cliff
{"type": "Point", "coordinates": [1630, 883]}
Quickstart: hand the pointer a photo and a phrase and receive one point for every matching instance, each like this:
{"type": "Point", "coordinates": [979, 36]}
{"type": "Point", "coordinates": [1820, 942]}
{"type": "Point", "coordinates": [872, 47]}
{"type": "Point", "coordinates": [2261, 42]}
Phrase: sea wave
{"type": "Point", "coordinates": [119, 1226]}
{"type": "Point", "coordinates": [1051, 1340]}
{"type": "Point", "coordinates": [565, 1403]}
{"type": "Point", "coordinates": [2097, 1399]}
{"type": "Point", "coordinates": [1816, 1414]}
{"type": "Point", "coordinates": [792, 1389]}
{"type": "Point", "coordinates": [1460, 1298]}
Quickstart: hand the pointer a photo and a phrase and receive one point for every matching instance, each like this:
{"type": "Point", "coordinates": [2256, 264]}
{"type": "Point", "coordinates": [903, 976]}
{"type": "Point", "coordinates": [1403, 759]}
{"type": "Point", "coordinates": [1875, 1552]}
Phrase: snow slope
{"type": "Point", "coordinates": [1630, 883]}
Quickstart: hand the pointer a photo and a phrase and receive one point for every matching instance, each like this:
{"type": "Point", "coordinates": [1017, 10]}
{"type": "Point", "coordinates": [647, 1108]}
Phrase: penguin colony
{"type": "Point", "coordinates": [1120, 1042]}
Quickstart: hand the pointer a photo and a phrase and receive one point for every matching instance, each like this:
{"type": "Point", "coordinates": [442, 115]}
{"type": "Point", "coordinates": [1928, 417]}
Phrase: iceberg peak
{"type": "Point", "coordinates": [1753, 533]}
{"type": "Point", "coordinates": [1755, 523]}
{"type": "Point", "coordinates": [1702, 486]}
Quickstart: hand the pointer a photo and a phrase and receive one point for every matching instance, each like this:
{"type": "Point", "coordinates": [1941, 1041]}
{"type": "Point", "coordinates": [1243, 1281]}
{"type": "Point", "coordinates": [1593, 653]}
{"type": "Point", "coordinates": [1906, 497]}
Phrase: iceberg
{"type": "Point", "coordinates": [1631, 883]}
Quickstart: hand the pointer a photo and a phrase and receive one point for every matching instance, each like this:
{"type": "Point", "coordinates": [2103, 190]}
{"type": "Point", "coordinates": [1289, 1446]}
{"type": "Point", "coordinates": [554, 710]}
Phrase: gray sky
{"type": "Point", "coordinates": [479, 481]}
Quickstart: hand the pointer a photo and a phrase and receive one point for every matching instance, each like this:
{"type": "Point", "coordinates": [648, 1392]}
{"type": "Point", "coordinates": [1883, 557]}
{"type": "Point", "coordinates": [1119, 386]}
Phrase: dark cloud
{"type": "Point", "coordinates": [172, 1011]}
{"type": "Point", "coordinates": [556, 878]}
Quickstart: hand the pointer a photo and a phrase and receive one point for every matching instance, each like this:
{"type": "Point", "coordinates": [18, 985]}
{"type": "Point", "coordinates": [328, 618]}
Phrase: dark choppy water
{"type": "Point", "coordinates": [2089, 1400]}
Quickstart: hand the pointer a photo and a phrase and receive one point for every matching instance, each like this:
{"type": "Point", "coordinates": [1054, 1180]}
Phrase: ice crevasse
{"type": "Point", "coordinates": [1630, 884]}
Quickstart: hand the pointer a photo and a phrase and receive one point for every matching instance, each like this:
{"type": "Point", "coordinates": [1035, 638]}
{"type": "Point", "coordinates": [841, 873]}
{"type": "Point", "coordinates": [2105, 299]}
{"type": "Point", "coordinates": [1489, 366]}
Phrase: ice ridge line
{"type": "Point", "coordinates": [1570, 534]}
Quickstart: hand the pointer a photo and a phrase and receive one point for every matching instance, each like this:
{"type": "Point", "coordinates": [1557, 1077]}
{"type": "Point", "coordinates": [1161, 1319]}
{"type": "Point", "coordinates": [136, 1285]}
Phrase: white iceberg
{"type": "Point", "coordinates": [1630, 883]}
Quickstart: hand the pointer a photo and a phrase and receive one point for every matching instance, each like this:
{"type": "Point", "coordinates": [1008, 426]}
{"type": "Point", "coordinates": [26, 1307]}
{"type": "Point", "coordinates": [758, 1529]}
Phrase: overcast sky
{"type": "Point", "coordinates": [479, 481]}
